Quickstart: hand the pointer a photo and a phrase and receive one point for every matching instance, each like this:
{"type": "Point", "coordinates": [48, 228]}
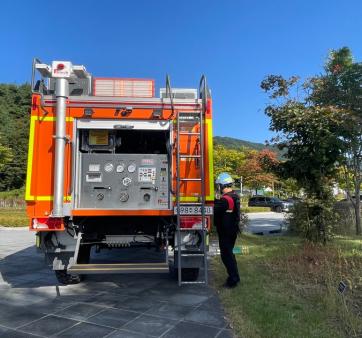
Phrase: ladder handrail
{"type": "Point", "coordinates": [202, 165]}
{"type": "Point", "coordinates": [170, 95]}
{"type": "Point", "coordinates": [35, 62]}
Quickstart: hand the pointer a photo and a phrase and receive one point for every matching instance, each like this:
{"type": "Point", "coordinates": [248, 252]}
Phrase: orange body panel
{"type": "Point", "coordinates": [41, 156]}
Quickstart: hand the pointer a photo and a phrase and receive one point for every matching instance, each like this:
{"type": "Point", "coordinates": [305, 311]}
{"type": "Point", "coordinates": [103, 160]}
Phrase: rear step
{"type": "Point", "coordinates": [119, 268]}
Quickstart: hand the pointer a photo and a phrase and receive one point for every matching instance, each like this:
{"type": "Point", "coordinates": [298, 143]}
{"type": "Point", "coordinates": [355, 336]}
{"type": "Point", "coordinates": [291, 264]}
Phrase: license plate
{"type": "Point", "coordinates": [193, 210]}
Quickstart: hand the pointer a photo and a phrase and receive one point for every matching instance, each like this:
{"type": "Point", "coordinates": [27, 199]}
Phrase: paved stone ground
{"type": "Point", "coordinates": [34, 304]}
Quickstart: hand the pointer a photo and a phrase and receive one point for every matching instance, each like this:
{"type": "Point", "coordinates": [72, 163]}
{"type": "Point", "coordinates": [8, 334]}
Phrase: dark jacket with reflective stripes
{"type": "Point", "coordinates": [227, 214]}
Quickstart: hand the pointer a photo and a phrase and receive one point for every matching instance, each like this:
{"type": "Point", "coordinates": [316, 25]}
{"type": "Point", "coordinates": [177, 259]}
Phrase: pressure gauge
{"type": "Point", "coordinates": [108, 167]}
{"type": "Point", "coordinates": [127, 181]}
{"type": "Point", "coordinates": [120, 168]}
{"type": "Point", "coordinates": [131, 168]}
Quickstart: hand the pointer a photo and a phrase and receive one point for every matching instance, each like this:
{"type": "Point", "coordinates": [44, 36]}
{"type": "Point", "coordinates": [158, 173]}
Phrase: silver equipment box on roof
{"type": "Point", "coordinates": [180, 93]}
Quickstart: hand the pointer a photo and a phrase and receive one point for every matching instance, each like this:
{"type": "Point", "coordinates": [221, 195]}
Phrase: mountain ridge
{"type": "Point", "coordinates": [234, 143]}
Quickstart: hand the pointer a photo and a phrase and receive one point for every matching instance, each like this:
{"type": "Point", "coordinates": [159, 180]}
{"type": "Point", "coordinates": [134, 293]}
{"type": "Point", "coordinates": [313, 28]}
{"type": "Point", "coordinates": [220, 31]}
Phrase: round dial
{"type": "Point", "coordinates": [120, 168]}
{"type": "Point", "coordinates": [126, 181]}
{"type": "Point", "coordinates": [131, 168]}
{"type": "Point", "coordinates": [108, 167]}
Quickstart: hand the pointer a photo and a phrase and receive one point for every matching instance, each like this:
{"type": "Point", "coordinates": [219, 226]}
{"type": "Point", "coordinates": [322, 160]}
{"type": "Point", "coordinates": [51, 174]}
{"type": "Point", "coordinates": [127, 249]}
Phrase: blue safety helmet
{"type": "Point", "coordinates": [224, 179]}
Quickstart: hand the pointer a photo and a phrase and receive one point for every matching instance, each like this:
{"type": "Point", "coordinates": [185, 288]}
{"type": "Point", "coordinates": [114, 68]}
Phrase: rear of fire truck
{"type": "Point", "coordinates": [110, 165]}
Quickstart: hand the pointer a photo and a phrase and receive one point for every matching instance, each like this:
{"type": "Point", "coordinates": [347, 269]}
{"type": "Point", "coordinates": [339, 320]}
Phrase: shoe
{"type": "Point", "coordinates": [228, 285]}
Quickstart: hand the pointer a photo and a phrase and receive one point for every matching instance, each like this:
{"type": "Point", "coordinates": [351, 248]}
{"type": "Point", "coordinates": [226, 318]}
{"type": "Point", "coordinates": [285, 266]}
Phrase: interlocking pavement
{"type": "Point", "coordinates": [34, 304]}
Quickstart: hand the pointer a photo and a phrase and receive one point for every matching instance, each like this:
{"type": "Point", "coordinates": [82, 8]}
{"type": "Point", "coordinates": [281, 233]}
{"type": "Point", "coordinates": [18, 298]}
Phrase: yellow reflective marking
{"type": "Point", "coordinates": [46, 198]}
{"type": "Point", "coordinates": [28, 196]}
{"type": "Point", "coordinates": [30, 159]}
{"type": "Point", "coordinates": [210, 145]}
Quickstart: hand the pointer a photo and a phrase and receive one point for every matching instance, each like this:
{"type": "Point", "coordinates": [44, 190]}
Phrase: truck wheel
{"type": "Point", "coordinates": [278, 209]}
{"type": "Point", "coordinates": [188, 274]}
{"type": "Point", "coordinates": [66, 278]}
{"type": "Point", "coordinates": [84, 254]}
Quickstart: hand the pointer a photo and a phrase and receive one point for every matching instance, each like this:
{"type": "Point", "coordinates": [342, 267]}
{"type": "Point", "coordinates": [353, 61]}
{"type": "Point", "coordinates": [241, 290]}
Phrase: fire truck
{"type": "Point", "coordinates": [112, 165]}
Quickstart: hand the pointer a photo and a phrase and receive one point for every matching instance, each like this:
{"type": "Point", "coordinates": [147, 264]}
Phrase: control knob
{"type": "Point", "coordinates": [124, 196]}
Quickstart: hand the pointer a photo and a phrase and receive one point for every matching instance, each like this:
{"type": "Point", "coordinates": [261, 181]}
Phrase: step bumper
{"type": "Point", "coordinates": [119, 268]}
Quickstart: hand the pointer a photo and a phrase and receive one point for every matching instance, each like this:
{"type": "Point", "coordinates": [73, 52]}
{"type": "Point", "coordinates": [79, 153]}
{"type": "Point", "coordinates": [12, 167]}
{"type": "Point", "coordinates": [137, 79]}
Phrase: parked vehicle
{"type": "Point", "coordinates": [112, 165]}
{"type": "Point", "coordinates": [274, 203]}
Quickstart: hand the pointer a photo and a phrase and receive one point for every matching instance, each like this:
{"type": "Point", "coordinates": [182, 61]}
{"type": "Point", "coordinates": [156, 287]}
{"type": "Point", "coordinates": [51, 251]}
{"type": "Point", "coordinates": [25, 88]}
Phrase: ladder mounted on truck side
{"type": "Point", "coordinates": [196, 118]}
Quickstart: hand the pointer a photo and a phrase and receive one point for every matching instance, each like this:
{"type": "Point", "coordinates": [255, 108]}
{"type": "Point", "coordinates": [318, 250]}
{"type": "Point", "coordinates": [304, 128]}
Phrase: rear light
{"type": "Point", "coordinates": [208, 106]}
{"type": "Point", "coordinates": [50, 223]}
{"type": "Point", "coordinates": [34, 103]}
{"type": "Point", "coordinates": [192, 223]}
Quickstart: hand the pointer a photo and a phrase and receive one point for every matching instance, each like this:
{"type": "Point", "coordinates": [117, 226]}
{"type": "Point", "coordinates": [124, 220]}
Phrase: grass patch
{"type": "Point", "coordinates": [289, 288]}
{"type": "Point", "coordinates": [13, 217]}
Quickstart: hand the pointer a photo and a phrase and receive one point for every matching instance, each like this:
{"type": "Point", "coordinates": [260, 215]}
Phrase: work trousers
{"type": "Point", "coordinates": [226, 244]}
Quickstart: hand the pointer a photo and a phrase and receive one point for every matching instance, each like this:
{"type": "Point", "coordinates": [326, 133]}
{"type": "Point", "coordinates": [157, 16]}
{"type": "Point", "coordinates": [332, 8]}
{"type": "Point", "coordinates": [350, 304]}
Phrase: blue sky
{"type": "Point", "coordinates": [235, 43]}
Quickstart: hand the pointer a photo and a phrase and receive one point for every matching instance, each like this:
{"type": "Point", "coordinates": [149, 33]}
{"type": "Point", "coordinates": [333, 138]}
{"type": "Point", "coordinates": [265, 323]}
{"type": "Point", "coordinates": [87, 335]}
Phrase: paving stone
{"type": "Point", "coordinates": [53, 305]}
{"type": "Point", "coordinates": [86, 330]}
{"type": "Point", "coordinates": [29, 293]}
{"type": "Point", "coordinates": [225, 334]}
{"type": "Point", "coordinates": [17, 334]}
{"type": "Point", "coordinates": [48, 326]}
{"type": "Point", "coordinates": [190, 330]}
{"type": "Point", "coordinates": [15, 316]}
{"type": "Point", "coordinates": [80, 311]}
{"type": "Point", "coordinates": [212, 304]}
{"type": "Point", "coordinates": [187, 299]}
{"type": "Point", "coordinates": [150, 325]}
{"type": "Point", "coordinates": [207, 317]}
{"type": "Point", "coordinates": [172, 311]}
{"type": "Point", "coordinates": [127, 334]}
{"type": "Point", "coordinates": [113, 317]}
{"type": "Point", "coordinates": [135, 304]}
{"type": "Point", "coordinates": [107, 299]}
{"type": "Point", "coordinates": [20, 297]}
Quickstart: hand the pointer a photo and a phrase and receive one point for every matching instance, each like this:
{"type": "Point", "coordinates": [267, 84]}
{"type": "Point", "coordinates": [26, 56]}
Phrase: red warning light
{"type": "Point", "coordinates": [60, 66]}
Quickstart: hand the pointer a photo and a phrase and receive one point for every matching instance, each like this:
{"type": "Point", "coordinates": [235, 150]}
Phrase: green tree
{"type": "Point", "coordinates": [310, 136]}
{"type": "Point", "coordinates": [340, 87]}
{"type": "Point", "coordinates": [6, 156]}
{"type": "Point", "coordinates": [256, 169]}
{"type": "Point", "coordinates": [14, 127]}
{"type": "Point", "coordinates": [228, 160]}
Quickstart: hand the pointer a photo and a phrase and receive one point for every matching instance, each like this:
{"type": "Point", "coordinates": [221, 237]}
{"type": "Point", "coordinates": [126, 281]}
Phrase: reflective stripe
{"type": "Point", "coordinates": [29, 171]}
{"type": "Point", "coordinates": [230, 201]}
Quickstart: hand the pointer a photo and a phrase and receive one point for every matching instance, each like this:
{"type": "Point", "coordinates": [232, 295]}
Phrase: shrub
{"type": "Point", "coordinates": [314, 219]}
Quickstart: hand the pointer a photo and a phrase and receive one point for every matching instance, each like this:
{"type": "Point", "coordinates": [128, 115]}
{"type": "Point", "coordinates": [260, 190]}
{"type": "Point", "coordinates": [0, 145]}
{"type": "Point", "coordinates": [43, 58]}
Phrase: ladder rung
{"type": "Point", "coordinates": [197, 282]}
{"type": "Point", "coordinates": [188, 133]}
{"type": "Point", "coordinates": [190, 156]}
{"type": "Point", "coordinates": [190, 179]}
{"type": "Point", "coordinates": [191, 229]}
{"type": "Point", "coordinates": [190, 203]}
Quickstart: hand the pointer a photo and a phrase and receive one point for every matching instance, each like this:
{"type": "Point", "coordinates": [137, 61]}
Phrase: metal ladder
{"type": "Point", "coordinates": [199, 158]}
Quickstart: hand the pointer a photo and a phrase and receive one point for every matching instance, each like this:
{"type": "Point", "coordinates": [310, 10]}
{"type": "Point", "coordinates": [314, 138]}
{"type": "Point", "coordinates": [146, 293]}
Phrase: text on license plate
{"type": "Point", "coordinates": [193, 210]}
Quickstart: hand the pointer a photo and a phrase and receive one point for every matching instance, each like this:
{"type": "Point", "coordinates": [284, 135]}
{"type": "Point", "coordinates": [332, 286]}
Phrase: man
{"type": "Point", "coordinates": [226, 219]}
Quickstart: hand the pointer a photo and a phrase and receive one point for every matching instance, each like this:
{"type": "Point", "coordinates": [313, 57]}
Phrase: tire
{"type": "Point", "coordinates": [188, 274]}
{"type": "Point", "coordinates": [65, 278]}
{"type": "Point", "coordinates": [84, 254]}
{"type": "Point", "coordinates": [278, 209]}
